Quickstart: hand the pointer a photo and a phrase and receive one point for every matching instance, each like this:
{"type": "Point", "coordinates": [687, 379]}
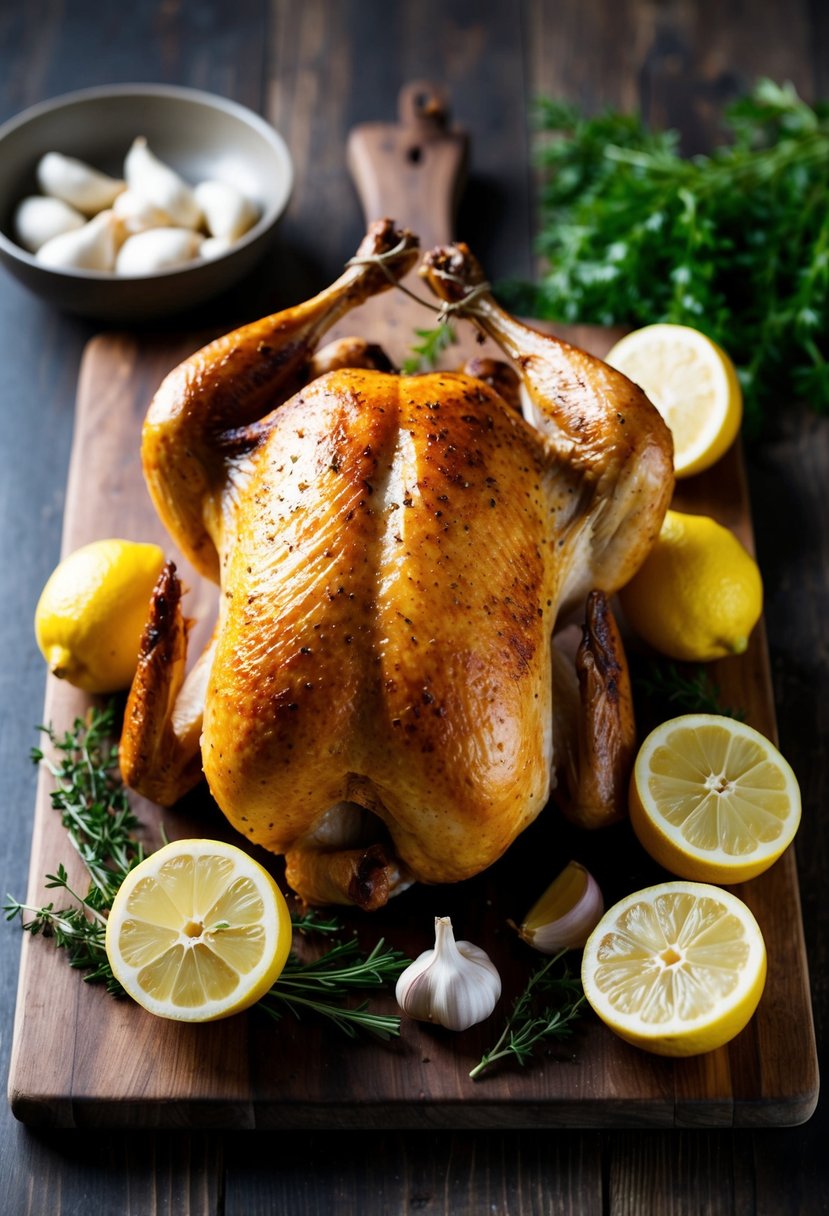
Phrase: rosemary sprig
{"type": "Point", "coordinates": [96, 813]}
{"type": "Point", "coordinates": [531, 1021]}
{"type": "Point", "coordinates": [319, 986]}
{"type": "Point", "coordinates": [688, 692]}
{"type": "Point", "coordinates": [426, 353]}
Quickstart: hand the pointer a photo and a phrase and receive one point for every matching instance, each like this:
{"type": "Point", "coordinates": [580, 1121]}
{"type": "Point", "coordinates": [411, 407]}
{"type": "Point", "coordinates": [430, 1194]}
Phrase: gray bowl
{"type": "Point", "coordinates": [200, 135]}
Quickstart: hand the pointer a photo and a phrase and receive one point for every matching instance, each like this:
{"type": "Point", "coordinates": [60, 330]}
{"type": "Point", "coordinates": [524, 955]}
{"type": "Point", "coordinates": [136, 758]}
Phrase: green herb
{"type": "Point", "coordinates": [321, 986]}
{"type": "Point", "coordinates": [533, 1019]}
{"type": "Point", "coordinates": [433, 343]}
{"type": "Point", "coordinates": [688, 692]}
{"type": "Point", "coordinates": [95, 811]}
{"type": "Point", "coordinates": [735, 244]}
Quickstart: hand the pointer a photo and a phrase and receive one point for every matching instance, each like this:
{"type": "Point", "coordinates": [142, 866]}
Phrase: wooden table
{"type": "Point", "coordinates": [315, 69]}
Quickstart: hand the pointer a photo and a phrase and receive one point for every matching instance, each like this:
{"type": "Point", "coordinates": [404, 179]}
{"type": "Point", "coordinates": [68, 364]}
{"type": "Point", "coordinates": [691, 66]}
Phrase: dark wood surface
{"type": "Point", "coordinates": [315, 69]}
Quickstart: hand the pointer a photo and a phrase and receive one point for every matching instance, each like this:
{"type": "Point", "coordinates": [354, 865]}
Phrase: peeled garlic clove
{"type": "Point", "coordinates": [77, 183]}
{"type": "Point", "coordinates": [137, 214]}
{"type": "Point", "coordinates": [566, 914]}
{"type": "Point", "coordinates": [157, 249]}
{"type": "Point", "coordinates": [227, 212]}
{"type": "Point", "coordinates": [214, 247]}
{"type": "Point", "coordinates": [160, 185]}
{"type": "Point", "coordinates": [38, 219]}
{"type": "Point", "coordinates": [455, 984]}
{"type": "Point", "coordinates": [92, 247]}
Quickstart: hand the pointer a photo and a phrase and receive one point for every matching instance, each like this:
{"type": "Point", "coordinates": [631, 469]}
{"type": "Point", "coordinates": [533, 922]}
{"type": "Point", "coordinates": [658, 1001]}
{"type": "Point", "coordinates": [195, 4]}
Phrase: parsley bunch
{"type": "Point", "coordinates": [735, 244]}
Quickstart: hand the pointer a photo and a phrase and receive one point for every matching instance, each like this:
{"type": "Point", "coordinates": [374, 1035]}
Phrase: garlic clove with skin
{"type": "Point", "coordinates": [227, 212]}
{"type": "Point", "coordinates": [160, 185]}
{"type": "Point", "coordinates": [137, 215]}
{"type": "Point", "coordinates": [76, 183]}
{"type": "Point", "coordinates": [92, 247]}
{"type": "Point", "coordinates": [37, 219]}
{"type": "Point", "coordinates": [156, 250]}
{"type": "Point", "coordinates": [566, 914]}
{"type": "Point", "coordinates": [455, 984]}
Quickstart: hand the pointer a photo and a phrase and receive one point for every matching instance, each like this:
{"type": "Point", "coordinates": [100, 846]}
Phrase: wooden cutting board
{"type": "Point", "coordinates": [81, 1058]}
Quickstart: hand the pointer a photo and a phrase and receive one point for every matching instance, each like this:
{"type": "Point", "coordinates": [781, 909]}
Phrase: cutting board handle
{"type": "Point", "coordinates": [413, 170]}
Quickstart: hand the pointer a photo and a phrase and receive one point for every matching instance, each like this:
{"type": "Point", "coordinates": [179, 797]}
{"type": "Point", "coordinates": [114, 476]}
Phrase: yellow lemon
{"type": "Point", "coordinates": [198, 931]}
{"type": "Point", "coordinates": [712, 799]}
{"type": "Point", "coordinates": [91, 612]}
{"type": "Point", "coordinates": [698, 594]}
{"type": "Point", "coordinates": [693, 384]}
{"type": "Point", "coordinates": [677, 969]}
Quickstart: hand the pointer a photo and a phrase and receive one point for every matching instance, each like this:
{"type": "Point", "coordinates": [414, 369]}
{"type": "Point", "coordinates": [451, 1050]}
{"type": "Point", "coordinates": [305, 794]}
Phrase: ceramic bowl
{"type": "Point", "coordinates": [200, 135]}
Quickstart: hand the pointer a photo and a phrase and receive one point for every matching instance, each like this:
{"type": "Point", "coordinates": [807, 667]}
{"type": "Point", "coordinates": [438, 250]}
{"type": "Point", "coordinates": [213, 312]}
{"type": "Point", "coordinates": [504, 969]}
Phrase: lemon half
{"type": "Point", "coordinates": [693, 384]}
{"type": "Point", "coordinates": [677, 969]}
{"type": "Point", "coordinates": [91, 613]}
{"type": "Point", "coordinates": [712, 799]}
{"type": "Point", "coordinates": [198, 931]}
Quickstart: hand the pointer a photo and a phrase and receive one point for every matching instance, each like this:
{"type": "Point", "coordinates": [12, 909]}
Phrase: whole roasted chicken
{"type": "Point", "coordinates": [381, 701]}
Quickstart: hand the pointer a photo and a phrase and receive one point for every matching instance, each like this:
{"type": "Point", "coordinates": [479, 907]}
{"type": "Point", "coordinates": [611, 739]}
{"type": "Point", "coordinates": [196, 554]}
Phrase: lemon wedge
{"type": "Point", "coordinates": [677, 969]}
{"type": "Point", "coordinates": [693, 384]}
{"type": "Point", "coordinates": [711, 799]}
{"type": "Point", "coordinates": [198, 931]}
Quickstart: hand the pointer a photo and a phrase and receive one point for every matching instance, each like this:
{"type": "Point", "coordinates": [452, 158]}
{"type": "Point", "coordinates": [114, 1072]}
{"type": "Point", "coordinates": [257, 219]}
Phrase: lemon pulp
{"type": "Point", "coordinates": [198, 931]}
{"type": "Point", "coordinates": [712, 799]}
{"type": "Point", "coordinates": [677, 969]}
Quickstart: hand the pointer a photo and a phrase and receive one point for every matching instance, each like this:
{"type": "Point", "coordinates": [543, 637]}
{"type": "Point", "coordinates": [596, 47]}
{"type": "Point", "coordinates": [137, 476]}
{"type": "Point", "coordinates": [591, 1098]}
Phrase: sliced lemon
{"type": "Point", "coordinates": [677, 969]}
{"type": "Point", "coordinates": [198, 931]}
{"type": "Point", "coordinates": [712, 799]}
{"type": "Point", "coordinates": [693, 384]}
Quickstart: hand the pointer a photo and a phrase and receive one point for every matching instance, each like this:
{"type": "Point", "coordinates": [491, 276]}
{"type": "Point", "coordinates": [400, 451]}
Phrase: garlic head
{"type": "Point", "coordinates": [455, 984]}
{"type": "Point", "coordinates": [78, 184]}
{"type": "Point", "coordinates": [160, 185]}
{"type": "Point", "coordinates": [566, 914]}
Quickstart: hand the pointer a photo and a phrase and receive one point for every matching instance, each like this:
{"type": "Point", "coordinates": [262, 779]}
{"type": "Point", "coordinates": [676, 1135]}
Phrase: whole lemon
{"type": "Point", "coordinates": [698, 594]}
{"type": "Point", "coordinates": [91, 612]}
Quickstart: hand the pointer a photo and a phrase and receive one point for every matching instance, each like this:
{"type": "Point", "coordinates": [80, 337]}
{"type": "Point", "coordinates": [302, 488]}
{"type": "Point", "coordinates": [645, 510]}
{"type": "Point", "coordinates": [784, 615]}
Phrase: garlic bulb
{"type": "Point", "coordinates": [37, 219]}
{"type": "Point", "coordinates": [157, 249]}
{"type": "Point", "coordinates": [566, 914]}
{"type": "Point", "coordinates": [137, 215]}
{"type": "Point", "coordinates": [77, 183]}
{"type": "Point", "coordinates": [160, 185]}
{"type": "Point", "coordinates": [92, 247]}
{"type": "Point", "coordinates": [455, 984]}
{"type": "Point", "coordinates": [227, 212]}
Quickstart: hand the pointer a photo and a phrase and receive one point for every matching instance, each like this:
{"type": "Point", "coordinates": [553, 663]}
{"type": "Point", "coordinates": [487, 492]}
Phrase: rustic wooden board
{"type": "Point", "coordinates": [80, 1058]}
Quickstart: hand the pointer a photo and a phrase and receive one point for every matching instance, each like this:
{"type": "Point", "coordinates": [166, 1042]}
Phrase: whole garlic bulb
{"type": "Point", "coordinates": [77, 183]}
{"type": "Point", "coordinates": [227, 212]}
{"type": "Point", "coordinates": [92, 247]}
{"type": "Point", "coordinates": [160, 185]}
{"type": "Point", "coordinates": [455, 984]}
{"type": "Point", "coordinates": [157, 249]}
{"type": "Point", "coordinates": [38, 218]}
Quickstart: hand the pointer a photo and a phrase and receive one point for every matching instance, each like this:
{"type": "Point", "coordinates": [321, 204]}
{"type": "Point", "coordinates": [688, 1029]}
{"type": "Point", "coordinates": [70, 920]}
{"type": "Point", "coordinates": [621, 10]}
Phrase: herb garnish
{"type": "Point", "coordinates": [735, 244]}
{"type": "Point", "coordinates": [690, 692]}
{"type": "Point", "coordinates": [533, 1020]}
{"type": "Point", "coordinates": [425, 354]}
{"type": "Point", "coordinates": [100, 823]}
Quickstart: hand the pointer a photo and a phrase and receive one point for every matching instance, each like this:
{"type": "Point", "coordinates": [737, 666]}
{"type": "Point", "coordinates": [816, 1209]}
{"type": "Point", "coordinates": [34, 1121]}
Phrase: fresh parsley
{"type": "Point", "coordinates": [735, 244]}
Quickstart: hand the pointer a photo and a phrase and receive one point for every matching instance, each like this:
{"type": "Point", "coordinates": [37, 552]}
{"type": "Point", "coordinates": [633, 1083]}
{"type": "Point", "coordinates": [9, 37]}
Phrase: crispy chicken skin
{"type": "Point", "coordinates": [393, 553]}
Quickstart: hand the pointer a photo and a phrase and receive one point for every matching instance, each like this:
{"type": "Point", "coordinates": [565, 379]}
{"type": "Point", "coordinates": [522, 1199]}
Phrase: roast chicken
{"type": "Point", "coordinates": [382, 701]}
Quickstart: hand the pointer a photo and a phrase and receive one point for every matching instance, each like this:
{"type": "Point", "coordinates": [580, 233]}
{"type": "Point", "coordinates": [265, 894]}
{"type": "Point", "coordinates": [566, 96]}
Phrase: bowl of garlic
{"type": "Point", "coordinates": [132, 202]}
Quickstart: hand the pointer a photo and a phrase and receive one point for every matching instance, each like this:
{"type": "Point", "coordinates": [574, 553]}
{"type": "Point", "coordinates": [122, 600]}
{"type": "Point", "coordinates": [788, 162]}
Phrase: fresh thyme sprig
{"type": "Point", "coordinates": [426, 353]}
{"type": "Point", "coordinates": [96, 813]}
{"type": "Point", "coordinates": [533, 1020]}
{"type": "Point", "coordinates": [689, 692]}
{"type": "Point", "coordinates": [321, 985]}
